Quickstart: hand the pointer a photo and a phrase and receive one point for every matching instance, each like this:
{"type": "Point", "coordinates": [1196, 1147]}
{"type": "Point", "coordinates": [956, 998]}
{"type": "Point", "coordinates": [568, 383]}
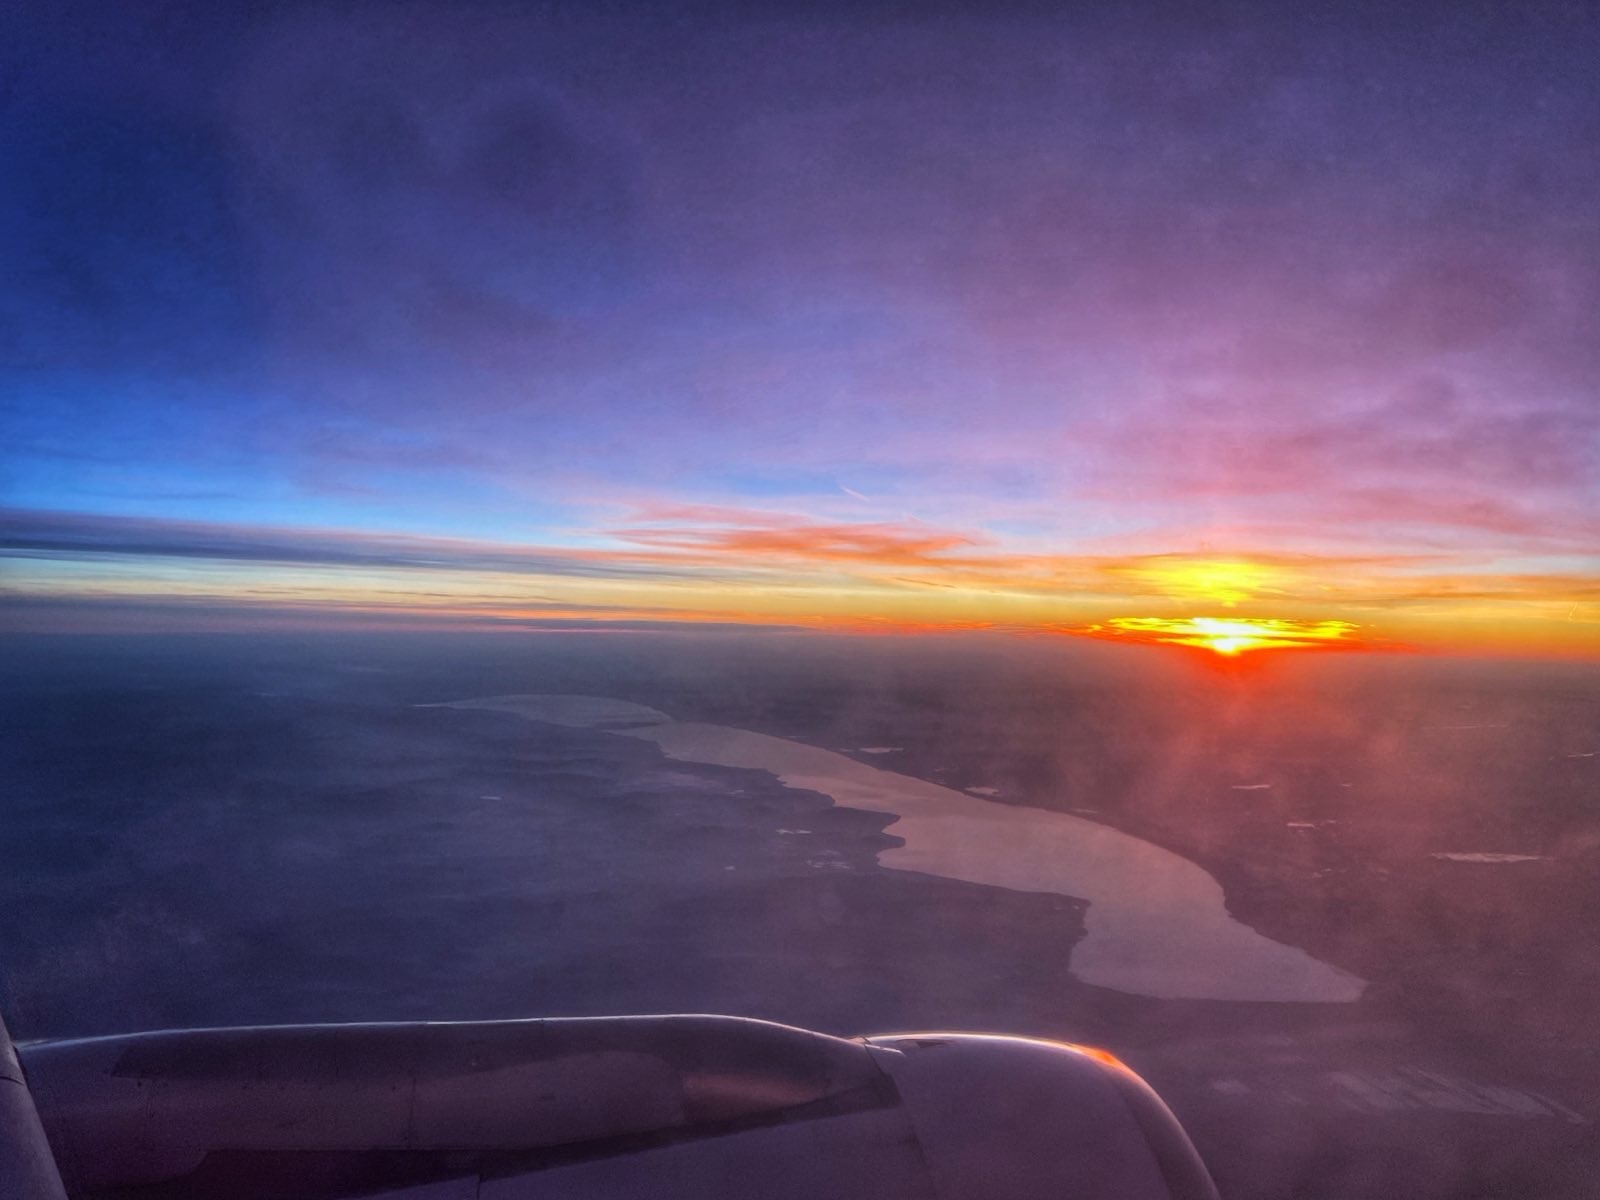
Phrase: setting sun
{"type": "Point", "coordinates": [1227, 636]}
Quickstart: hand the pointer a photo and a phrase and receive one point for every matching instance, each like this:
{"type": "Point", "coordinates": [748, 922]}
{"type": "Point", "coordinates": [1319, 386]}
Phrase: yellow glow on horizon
{"type": "Point", "coordinates": [1224, 581]}
{"type": "Point", "coordinates": [1427, 608]}
{"type": "Point", "coordinates": [1228, 636]}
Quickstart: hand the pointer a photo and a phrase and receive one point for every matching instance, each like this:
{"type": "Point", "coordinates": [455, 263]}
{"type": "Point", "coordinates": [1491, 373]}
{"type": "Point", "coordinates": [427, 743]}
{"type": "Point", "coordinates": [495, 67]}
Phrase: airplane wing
{"type": "Point", "coordinates": [668, 1107]}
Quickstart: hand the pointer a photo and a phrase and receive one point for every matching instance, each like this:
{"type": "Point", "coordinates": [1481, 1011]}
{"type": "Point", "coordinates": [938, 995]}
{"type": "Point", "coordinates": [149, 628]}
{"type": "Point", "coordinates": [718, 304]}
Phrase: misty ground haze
{"type": "Point", "coordinates": [227, 829]}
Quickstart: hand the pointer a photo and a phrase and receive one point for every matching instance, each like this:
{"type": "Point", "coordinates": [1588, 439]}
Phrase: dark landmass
{"type": "Point", "coordinates": [223, 830]}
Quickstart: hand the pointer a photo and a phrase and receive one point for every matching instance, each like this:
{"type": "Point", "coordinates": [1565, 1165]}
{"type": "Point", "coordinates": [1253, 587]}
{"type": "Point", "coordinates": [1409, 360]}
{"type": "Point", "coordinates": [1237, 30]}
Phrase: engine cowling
{"type": "Point", "coordinates": [672, 1107]}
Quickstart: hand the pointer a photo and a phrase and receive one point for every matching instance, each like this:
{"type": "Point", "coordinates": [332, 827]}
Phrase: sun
{"type": "Point", "coordinates": [1227, 636]}
{"type": "Point", "coordinates": [1233, 645]}
{"type": "Point", "coordinates": [1231, 637]}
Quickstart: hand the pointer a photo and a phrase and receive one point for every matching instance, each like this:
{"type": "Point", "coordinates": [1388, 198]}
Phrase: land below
{"type": "Point", "coordinates": [229, 831]}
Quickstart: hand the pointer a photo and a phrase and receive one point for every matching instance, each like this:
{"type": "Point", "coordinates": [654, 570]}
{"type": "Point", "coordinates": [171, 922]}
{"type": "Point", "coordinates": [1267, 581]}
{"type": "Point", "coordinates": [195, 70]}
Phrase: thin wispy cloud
{"type": "Point", "coordinates": [976, 308]}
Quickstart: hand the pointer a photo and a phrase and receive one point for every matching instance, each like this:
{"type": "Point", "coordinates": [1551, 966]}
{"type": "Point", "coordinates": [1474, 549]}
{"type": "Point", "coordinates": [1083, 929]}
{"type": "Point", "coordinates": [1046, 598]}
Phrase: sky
{"type": "Point", "coordinates": [879, 317]}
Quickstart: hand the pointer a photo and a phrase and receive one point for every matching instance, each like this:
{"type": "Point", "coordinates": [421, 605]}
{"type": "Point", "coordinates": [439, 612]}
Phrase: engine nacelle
{"type": "Point", "coordinates": [673, 1108]}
